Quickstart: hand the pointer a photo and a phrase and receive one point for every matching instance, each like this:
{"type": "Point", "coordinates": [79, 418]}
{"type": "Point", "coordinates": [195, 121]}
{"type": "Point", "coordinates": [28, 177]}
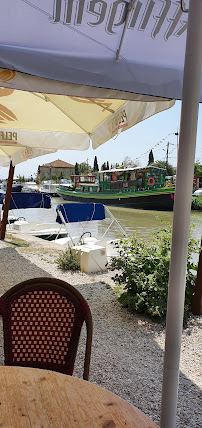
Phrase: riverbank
{"type": "Point", "coordinates": [127, 354]}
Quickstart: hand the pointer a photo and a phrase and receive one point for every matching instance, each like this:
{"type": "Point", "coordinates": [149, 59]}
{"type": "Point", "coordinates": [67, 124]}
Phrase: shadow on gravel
{"type": "Point", "coordinates": [15, 268]}
{"type": "Point", "coordinates": [126, 359]}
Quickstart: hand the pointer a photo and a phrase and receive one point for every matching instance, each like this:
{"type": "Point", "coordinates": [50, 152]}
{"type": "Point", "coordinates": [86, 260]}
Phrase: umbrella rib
{"type": "Point", "coordinates": [131, 6]}
{"type": "Point", "coordinates": [46, 98]}
{"type": "Point", "coordinates": [92, 100]}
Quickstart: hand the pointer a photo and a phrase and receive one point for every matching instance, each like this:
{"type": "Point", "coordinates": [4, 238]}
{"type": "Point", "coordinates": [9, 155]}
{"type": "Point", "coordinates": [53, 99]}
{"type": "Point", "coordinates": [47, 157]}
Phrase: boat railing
{"type": "Point", "coordinates": [93, 211]}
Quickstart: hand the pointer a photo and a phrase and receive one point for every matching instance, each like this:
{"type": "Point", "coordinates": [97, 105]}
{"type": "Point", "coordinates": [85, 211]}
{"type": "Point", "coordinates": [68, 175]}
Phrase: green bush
{"type": "Point", "coordinates": [144, 271]}
{"type": "Point", "coordinates": [196, 203]}
{"type": "Point", "coordinates": [68, 260]}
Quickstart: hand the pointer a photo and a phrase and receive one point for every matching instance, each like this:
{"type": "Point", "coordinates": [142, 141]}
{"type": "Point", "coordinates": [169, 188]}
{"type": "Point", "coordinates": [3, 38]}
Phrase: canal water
{"type": "Point", "coordinates": [144, 222]}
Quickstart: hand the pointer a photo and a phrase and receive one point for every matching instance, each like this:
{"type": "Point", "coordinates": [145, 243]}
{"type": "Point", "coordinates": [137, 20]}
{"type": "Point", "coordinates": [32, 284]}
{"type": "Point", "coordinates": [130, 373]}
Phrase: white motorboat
{"type": "Point", "coordinates": [49, 187]}
{"type": "Point", "coordinates": [16, 187]}
{"type": "Point", "coordinates": [49, 231]}
{"type": "Point", "coordinates": [30, 186]}
{"type": "Point", "coordinates": [68, 185]}
{"type": "Point", "coordinates": [21, 201]}
{"type": "Point", "coordinates": [93, 251]}
{"type": "Point", "coordinates": [198, 192]}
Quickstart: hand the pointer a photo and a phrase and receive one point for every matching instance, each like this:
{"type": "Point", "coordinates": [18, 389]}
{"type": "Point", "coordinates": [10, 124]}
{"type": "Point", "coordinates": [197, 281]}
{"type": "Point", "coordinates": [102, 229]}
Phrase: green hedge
{"type": "Point", "coordinates": [196, 203]}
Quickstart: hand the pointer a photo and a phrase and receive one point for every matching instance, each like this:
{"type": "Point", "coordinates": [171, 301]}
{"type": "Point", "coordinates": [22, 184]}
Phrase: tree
{"type": "Point", "coordinates": [60, 175]}
{"type": "Point", "coordinates": [22, 179]}
{"type": "Point", "coordinates": [136, 163]}
{"type": "Point", "coordinates": [76, 169]}
{"type": "Point", "coordinates": [197, 169]}
{"type": "Point", "coordinates": [54, 178]}
{"type": "Point", "coordinates": [95, 166]}
{"type": "Point", "coordinates": [83, 168]}
{"type": "Point", "coordinates": [151, 157]}
{"type": "Point", "coordinates": [127, 162]}
{"type": "Point", "coordinates": [103, 167]}
{"type": "Point", "coordinates": [162, 164]}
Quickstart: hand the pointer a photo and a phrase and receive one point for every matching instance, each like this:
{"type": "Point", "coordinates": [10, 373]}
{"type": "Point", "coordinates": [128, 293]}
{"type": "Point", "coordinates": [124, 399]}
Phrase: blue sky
{"type": "Point", "coordinates": [135, 143]}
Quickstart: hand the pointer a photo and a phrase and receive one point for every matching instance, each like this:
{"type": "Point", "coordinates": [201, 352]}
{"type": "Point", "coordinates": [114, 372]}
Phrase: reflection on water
{"type": "Point", "coordinates": [148, 222]}
{"type": "Point", "coordinates": [131, 220]}
{"type": "Point", "coordinates": [142, 221]}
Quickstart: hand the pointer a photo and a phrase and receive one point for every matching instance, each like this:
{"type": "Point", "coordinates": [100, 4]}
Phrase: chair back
{"type": "Point", "coordinates": [42, 321]}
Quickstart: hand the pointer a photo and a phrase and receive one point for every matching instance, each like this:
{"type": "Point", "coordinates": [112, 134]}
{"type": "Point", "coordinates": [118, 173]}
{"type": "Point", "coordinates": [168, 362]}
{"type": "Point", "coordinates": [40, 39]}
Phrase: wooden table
{"type": "Point", "coordinates": [34, 398]}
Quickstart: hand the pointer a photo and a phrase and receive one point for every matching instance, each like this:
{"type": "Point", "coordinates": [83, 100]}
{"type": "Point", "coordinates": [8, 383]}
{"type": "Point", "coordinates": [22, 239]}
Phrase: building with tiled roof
{"type": "Point", "coordinates": [55, 168]}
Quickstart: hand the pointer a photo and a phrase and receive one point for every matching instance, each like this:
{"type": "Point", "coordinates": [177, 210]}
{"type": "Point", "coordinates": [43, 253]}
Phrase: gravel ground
{"type": "Point", "coordinates": [127, 354]}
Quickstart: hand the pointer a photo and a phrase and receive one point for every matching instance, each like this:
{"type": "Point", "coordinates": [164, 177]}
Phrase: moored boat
{"type": "Point", "coordinates": [49, 187]}
{"type": "Point", "coordinates": [63, 186]}
{"type": "Point", "coordinates": [30, 186]}
{"type": "Point", "coordinates": [92, 249]}
{"type": "Point", "coordinates": [16, 187]}
{"type": "Point", "coordinates": [19, 201]}
{"type": "Point", "coordinates": [142, 188]}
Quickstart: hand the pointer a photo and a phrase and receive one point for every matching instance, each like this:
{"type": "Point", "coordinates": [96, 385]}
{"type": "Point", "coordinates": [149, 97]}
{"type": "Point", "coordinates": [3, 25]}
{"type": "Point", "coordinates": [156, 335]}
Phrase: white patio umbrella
{"type": "Point", "coordinates": [119, 49]}
{"type": "Point", "coordinates": [65, 122]}
{"type": "Point", "coordinates": [20, 155]}
{"type": "Point", "coordinates": [43, 123]}
{"type": "Point", "coordinates": [103, 49]}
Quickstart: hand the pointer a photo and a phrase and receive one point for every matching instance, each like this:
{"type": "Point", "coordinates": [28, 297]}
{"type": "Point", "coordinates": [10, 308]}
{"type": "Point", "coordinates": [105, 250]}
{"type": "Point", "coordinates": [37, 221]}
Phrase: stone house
{"type": "Point", "coordinates": [55, 168]}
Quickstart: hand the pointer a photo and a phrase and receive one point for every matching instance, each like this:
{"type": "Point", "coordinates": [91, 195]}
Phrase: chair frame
{"type": "Point", "coordinates": [82, 313]}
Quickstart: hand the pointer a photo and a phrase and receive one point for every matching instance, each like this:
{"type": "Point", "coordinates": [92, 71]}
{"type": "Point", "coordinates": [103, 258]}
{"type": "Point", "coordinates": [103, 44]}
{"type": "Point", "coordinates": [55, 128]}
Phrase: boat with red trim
{"type": "Point", "coordinates": [142, 188]}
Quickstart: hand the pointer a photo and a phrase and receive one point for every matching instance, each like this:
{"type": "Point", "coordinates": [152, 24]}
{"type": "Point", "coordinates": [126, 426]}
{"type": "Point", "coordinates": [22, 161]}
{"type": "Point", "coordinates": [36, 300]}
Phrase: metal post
{"type": "Point", "coordinates": [7, 201]}
{"type": "Point", "coordinates": [177, 135]}
{"type": "Point", "coordinates": [197, 299]}
{"type": "Point", "coordinates": [182, 208]}
{"type": "Point", "coordinates": [167, 157]}
{"type": "Point", "coordinates": [114, 220]}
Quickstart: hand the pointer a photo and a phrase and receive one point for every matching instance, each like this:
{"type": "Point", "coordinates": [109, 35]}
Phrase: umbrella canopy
{"type": "Point", "coordinates": [67, 122]}
{"type": "Point", "coordinates": [126, 50]}
{"type": "Point", "coordinates": [19, 154]}
{"type": "Point", "coordinates": [107, 49]}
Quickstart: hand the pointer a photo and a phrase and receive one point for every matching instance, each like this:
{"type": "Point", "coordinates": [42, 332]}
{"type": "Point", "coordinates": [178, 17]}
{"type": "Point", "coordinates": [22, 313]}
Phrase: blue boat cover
{"type": "Point", "coordinates": [29, 200]}
{"type": "Point", "coordinates": [75, 212]}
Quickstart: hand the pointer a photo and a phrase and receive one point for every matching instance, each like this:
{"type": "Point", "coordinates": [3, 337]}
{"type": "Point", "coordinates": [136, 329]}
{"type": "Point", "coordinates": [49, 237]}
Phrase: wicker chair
{"type": "Point", "coordinates": [42, 321]}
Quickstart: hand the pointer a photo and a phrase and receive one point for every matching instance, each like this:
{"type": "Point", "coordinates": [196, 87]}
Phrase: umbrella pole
{"type": "Point", "coordinates": [181, 218]}
{"type": "Point", "coordinates": [7, 201]}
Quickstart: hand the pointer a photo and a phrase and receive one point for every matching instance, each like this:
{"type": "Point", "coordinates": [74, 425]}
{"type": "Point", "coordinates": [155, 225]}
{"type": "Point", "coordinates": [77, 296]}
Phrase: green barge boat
{"type": "Point", "coordinates": [141, 188]}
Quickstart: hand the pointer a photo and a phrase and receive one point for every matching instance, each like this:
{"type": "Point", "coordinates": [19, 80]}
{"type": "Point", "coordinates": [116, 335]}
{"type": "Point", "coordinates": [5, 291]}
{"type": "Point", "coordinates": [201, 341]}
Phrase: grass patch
{"type": "Point", "coordinates": [17, 241]}
{"type": "Point", "coordinates": [68, 260]}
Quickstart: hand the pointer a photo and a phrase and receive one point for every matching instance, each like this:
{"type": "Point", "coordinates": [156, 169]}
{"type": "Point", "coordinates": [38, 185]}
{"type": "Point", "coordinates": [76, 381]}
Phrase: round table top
{"type": "Point", "coordinates": [45, 399]}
